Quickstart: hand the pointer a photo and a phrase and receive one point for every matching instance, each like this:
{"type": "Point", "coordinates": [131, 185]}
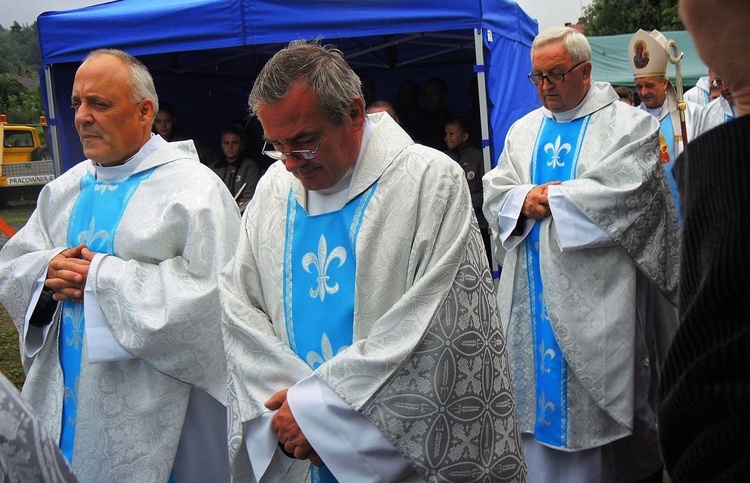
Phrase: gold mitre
{"type": "Point", "coordinates": [648, 54]}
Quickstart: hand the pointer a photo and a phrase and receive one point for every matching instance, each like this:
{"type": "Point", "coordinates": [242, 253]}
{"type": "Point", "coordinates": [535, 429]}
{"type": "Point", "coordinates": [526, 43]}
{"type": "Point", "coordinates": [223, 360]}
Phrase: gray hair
{"type": "Point", "coordinates": [321, 67]}
{"type": "Point", "coordinates": [141, 83]}
{"type": "Point", "coordinates": [574, 41]}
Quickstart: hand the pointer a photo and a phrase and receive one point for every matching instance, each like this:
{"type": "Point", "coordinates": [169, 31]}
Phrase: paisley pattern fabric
{"type": "Point", "coordinates": [160, 300]}
{"type": "Point", "coordinates": [590, 294]}
{"type": "Point", "coordinates": [427, 364]}
{"type": "Point", "coordinates": [27, 452]}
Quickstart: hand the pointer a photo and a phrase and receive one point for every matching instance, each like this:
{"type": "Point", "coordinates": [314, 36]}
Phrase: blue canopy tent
{"type": "Point", "coordinates": [204, 54]}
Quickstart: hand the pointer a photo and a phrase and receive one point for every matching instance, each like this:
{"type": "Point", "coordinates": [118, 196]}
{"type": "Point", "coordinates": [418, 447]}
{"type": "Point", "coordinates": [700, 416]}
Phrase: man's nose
{"type": "Point", "coordinates": [83, 115]}
{"type": "Point", "coordinates": [293, 163]}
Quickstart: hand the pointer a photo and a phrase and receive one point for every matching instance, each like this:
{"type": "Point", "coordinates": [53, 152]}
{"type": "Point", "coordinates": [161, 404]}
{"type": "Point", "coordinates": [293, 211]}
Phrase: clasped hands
{"type": "Point", "coordinates": [536, 204]}
{"type": "Point", "coordinates": [67, 273]}
{"type": "Point", "coordinates": [288, 432]}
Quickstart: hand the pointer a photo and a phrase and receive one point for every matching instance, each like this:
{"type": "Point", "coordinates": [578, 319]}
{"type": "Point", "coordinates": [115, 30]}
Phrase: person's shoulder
{"type": "Point", "coordinates": [530, 117]}
{"type": "Point", "coordinates": [72, 174]}
{"type": "Point", "coordinates": [693, 108]}
{"type": "Point", "coordinates": [185, 169]}
{"type": "Point", "coordinates": [627, 114]}
{"type": "Point", "coordinates": [429, 162]}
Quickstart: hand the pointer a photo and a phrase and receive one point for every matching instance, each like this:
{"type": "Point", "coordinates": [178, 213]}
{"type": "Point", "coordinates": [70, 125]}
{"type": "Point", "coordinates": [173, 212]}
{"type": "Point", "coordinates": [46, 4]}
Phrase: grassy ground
{"type": "Point", "coordinates": [15, 215]}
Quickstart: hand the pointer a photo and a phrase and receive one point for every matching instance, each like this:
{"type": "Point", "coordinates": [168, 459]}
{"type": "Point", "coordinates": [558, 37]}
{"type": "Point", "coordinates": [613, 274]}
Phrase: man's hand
{"type": "Point", "coordinates": [288, 432]}
{"type": "Point", "coordinates": [67, 272]}
{"type": "Point", "coordinates": [536, 204]}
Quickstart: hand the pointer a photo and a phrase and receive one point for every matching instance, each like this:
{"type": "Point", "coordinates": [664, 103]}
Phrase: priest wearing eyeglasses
{"type": "Point", "coordinates": [360, 320]}
{"type": "Point", "coordinates": [581, 205]}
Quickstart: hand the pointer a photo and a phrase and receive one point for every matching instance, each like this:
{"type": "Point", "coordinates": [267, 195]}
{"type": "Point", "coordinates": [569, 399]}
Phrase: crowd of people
{"type": "Point", "coordinates": [332, 316]}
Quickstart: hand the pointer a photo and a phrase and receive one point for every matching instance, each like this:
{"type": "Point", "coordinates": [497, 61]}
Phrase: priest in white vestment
{"type": "Point", "coordinates": [720, 110]}
{"type": "Point", "coordinates": [113, 287]}
{"type": "Point", "coordinates": [700, 93]}
{"type": "Point", "coordinates": [360, 323]}
{"type": "Point", "coordinates": [581, 205]}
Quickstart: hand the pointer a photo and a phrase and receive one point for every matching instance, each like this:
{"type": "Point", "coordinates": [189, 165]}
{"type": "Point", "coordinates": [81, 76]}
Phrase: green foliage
{"type": "Point", "coordinates": [19, 49]}
{"type": "Point", "coordinates": [612, 17]}
{"type": "Point", "coordinates": [23, 106]}
{"type": "Point", "coordinates": [20, 55]}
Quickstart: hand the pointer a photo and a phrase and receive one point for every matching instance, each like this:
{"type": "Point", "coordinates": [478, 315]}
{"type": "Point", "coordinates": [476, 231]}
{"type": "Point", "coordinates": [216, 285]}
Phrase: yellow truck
{"type": "Point", "coordinates": [25, 163]}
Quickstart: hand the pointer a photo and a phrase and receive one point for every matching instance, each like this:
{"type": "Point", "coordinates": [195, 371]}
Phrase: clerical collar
{"type": "Point", "coordinates": [568, 116]}
{"type": "Point", "coordinates": [335, 197]}
{"type": "Point", "coordinates": [125, 170]}
{"type": "Point", "coordinates": [655, 112]}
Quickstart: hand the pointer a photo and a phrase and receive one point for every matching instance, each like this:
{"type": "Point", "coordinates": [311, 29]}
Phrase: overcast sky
{"type": "Point", "coordinates": [547, 12]}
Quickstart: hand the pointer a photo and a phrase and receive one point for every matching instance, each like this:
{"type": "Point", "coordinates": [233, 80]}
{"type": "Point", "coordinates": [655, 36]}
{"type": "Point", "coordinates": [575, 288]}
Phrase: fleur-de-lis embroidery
{"type": "Point", "coordinates": [69, 395]}
{"type": "Point", "coordinates": [544, 353]}
{"type": "Point", "coordinates": [323, 262]}
{"type": "Point", "coordinates": [556, 151]}
{"type": "Point", "coordinates": [314, 359]}
{"type": "Point", "coordinates": [89, 237]}
{"type": "Point", "coordinates": [73, 317]}
{"type": "Point", "coordinates": [104, 187]}
{"type": "Point", "coordinates": [544, 405]}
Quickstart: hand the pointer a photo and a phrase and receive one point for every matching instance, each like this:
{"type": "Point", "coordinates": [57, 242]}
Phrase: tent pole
{"type": "Point", "coordinates": [54, 134]}
{"type": "Point", "coordinates": [484, 116]}
{"type": "Point", "coordinates": [482, 85]}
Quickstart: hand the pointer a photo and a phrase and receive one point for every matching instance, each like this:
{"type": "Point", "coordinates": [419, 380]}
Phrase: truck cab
{"type": "Point", "coordinates": [25, 163]}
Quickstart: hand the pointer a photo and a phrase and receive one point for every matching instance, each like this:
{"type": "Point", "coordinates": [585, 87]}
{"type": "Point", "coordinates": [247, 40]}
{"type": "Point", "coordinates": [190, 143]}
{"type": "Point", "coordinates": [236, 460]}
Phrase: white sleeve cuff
{"type": "Point", "coordinates": [352, 448]}
{"type": "Point", "coordinates": [34, 337]}
{"type": "Point", "coordinates": [574, 229]}
{"type": "Point", "coordinates": [101, 344]}
{"type": "Point", "coordinates": [269, 464]}
{"type": "Point", "coordinates": [508, 217]}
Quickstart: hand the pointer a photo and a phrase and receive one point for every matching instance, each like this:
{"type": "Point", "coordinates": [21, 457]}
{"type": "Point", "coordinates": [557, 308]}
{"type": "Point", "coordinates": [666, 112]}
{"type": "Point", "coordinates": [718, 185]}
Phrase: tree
{"type": "Point", "coordinates": [612, 17]}
{"type": "Point", "coordinates": [23, 106]}
{"type": "Point", "coordinates": [19, 49]}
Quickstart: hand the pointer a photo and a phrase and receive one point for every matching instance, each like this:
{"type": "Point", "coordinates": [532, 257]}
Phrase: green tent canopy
{"type": "Point", "coordinates": [609, 55]}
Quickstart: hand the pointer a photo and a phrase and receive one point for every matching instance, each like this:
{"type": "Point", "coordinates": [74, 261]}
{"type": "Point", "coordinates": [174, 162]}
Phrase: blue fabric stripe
{"type": "Point", "coordinates": [555, 158]}
{"type": "Point", "coordinates": [291, 210]}
{"type": "Point", "coordinates": [94, 222]}
{"type": "Point", "coordinates": [320, 283]}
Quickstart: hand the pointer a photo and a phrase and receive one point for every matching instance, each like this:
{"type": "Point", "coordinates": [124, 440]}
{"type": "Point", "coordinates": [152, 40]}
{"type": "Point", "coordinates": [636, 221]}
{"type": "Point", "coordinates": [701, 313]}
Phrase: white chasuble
{"type": "Point", "coordinates": [589, 294]}
{"type": "Point", "coordinates": [426, 363]}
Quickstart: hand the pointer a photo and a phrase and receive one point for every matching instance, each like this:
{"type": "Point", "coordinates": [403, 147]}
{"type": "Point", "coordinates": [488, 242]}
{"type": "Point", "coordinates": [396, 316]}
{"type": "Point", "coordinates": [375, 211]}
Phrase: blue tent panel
{"type": "Point", "coordinates": [141, 27]}
{"type": "Point", "coordinates": [204, 54]}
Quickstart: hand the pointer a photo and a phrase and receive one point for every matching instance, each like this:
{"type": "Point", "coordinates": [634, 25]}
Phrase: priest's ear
{"type": "Point", "coordinates": [357, 113]}
{"type": "Point", "coordinates": [586, 69]}
{"type": "Point", "coordinates": [147, 110]}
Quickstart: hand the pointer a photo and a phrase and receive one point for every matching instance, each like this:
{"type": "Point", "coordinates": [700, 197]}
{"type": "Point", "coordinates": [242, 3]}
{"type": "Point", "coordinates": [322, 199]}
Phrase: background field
{"type": "Point", "coordinates": [10, 362]}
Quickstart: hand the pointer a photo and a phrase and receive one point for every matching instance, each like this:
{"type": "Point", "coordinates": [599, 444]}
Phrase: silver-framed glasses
{"type": "Point", "coordinates": [306, 154]}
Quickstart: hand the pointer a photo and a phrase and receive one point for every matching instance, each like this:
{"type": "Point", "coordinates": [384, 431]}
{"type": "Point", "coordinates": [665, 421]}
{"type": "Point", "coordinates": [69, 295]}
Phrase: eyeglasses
{"type": "Point", "coordinates": [553, 77]}
{"type": "Point", "coordinates": [306, 154]}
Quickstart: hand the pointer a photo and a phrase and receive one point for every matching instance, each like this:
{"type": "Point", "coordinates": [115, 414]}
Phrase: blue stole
{"type": "Point", "coordinates": [319, 283]}
{"type": "Point", "coordinates": [94, 221]}
{"type": "Point", "coordinates": [666, 154]}
{"type": "Point", "coordinates": [555, 158]}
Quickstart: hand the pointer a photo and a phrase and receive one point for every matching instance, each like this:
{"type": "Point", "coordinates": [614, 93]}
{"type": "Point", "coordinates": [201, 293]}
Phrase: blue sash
{"type": "Point", "coordinates": [666, 154]}
{"type": "Point", "coordinates": [555, 158]}
{"type": "Point", "coordinates": [94, 221]}
{"type": "Point", "coordinates": [319, 283]}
